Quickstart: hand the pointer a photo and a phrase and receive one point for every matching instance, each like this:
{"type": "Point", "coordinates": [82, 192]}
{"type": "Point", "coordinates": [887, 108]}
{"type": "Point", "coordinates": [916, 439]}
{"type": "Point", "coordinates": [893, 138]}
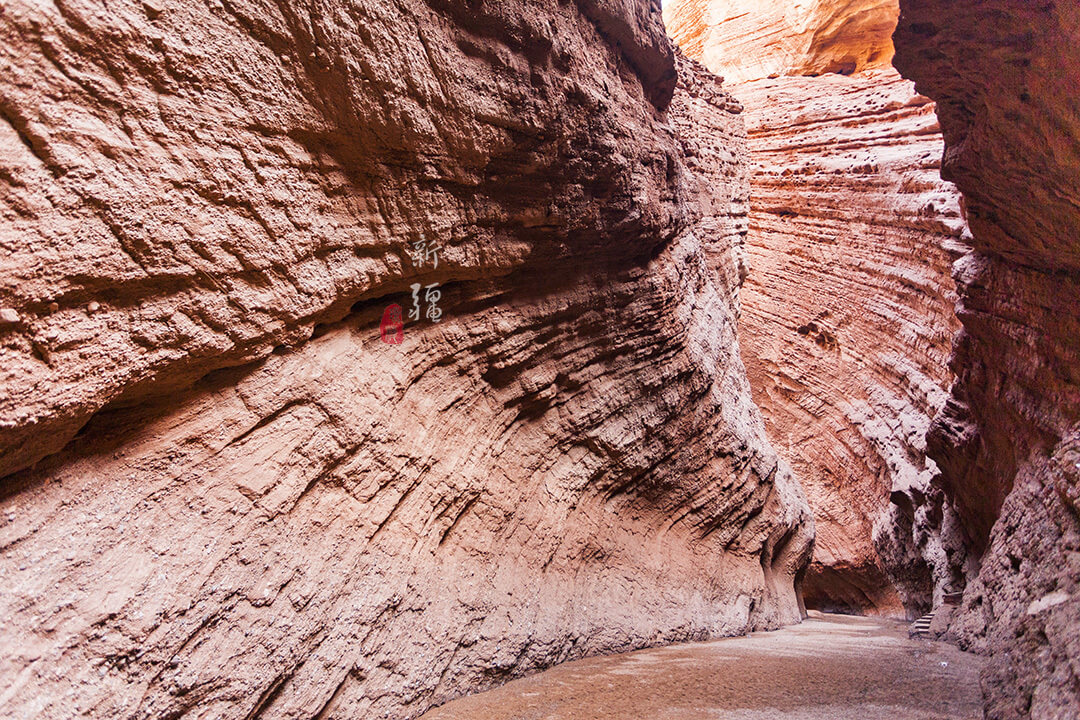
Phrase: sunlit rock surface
{"type": "Point", "coordinates": [1005, 77]}
{"type": "Point", "coordinates": [848, 320]}
{"type": "Point", "coordinates": [848, 311]}
{"type": "Point", "coordinates": [269, 512]}
{"type": "Point", "coordinates": [754, 39]}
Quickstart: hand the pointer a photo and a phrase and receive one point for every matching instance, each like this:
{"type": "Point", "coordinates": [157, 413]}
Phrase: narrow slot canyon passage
{"type": "Point", "coordinates": [848, 304]}
{"type": "Point", "coordinates": [846, 327]}
{"type": "Point", "coordinates": [591, 360]}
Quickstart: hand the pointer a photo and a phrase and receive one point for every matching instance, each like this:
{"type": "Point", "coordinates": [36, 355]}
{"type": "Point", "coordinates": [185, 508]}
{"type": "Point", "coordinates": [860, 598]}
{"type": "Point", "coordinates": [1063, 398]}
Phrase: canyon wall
{"type": "Point", "coordinates": [224, 496]}
{"type": "Point", "coordinates": [1005, 77]}
{"type": "Point", "coordinates": [750, 39]}
{"type": "Point", "coordinates": [1001, 512]}
{"type": "Point", "coordinates": [848, 321]}
{"type": "Point", "coordinates": [848, 310]}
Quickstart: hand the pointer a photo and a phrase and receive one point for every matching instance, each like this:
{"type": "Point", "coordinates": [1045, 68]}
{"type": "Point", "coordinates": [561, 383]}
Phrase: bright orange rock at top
{"type": "Point", "coordinates": [753, 39]}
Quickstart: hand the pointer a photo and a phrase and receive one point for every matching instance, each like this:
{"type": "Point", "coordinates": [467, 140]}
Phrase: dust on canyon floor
{"type": "Point", "coordinates": [831, 667]}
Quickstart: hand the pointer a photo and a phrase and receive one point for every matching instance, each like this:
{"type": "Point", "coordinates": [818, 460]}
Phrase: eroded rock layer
{"type": "Point", "coordinates": [190, 186]}
{"type": "Point", "coordinates": [848, 319]}
{"type": "Point", "coordinates": [754, 39]}
{"type": "Point", "coordinates": [272, 513]}
{"type": "Point", "coordinates": [848, 310]}
{"type": "Point", "coordinates": [1005, 77]}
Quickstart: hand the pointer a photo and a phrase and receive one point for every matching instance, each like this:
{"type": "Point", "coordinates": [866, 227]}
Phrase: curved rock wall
{"type": "Point", "coordinates": [754, 39]}
{"type": "Point", "coordinates": [848, 320]}
{"type": "Point", "coordinates": [848, 309]}
{"type": "Point", "coordinates": [157, 152]}
{"type": "Point", "coordinates": [1004, 76]}
{"type": "Point", "coordinates": [269, 512]}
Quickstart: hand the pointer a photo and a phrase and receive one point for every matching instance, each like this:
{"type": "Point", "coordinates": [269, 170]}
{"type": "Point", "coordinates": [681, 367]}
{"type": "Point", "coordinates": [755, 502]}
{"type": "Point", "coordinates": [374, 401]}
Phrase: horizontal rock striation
{"type": "Point", "coordinates": [848, 310]}
{"type": "Point", "coordinates": [848, 320]}
{"type": "Point", "coordinates": [1003, 74]}
{"type": "Point", "coordinates": [154, 156]}
{"type": "Point", "coordinates": [269, 512]}
{"type": "Point", "coordinates": [751, 39]}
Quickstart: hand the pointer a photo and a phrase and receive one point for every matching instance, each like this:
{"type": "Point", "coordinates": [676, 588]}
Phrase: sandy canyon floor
{"type": "Point", "coordinates": [830, 667]}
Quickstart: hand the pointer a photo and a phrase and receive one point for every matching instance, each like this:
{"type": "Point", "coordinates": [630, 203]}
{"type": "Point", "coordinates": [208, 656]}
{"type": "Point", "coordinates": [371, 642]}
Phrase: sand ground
{"type": "Point", "coordinates": [830, 667]}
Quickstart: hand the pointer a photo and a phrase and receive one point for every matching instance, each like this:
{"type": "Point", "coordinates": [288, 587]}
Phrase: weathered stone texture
{"type": "Point", "coordinates": [188, 185]}
{"type": "Point", "coordinates": [754, 39]}
{"type": "Point", "coordinates": [1002, 512]}
{"type": "Point", "coordinates": [848, 320]}
{"type": "Point", "coordinates": [1003, 73]}
{"type": "Point", "coordinates": [848, 309]}
{"type": "Point", "coordinates": [271, 513]}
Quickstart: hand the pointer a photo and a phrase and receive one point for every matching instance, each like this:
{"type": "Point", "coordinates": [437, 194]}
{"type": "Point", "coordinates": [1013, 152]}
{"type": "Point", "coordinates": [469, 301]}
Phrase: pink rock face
{"type": "Point", "coordinates": [746, 40]}
{"type": "Point", "coordinates": [848, 307]}
{"type": "Point", "coordinates": [1004, 76]}
{"type": "Point", "coordinates": [1003, 511]}
{"type": "Point", "coordinates": [848, 320]}
{"type": "Point", "coordinates": [272, 513]}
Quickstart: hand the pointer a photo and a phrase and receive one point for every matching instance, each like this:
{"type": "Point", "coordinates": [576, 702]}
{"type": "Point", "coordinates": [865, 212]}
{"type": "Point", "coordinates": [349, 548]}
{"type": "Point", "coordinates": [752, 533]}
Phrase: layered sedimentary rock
{"type": "Point", "coordinates": [156, 154]}
{"type": "Point", "coordinates": [848, 309]}
{"type": "Point", "coordinates": [1004, 507]}
{"type": "Point", "coordinates": [1004, 76]}
{"type": "Point", "coordinates": [751, 39]}
{"type": "Point", "coordinates": [267, 511]}
{"type": "Point", "coordinates": [848, 320]}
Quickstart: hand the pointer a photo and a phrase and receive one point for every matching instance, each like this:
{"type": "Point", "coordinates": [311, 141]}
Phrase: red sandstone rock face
{"type": "Point", "coordinates": [569, 463]}
{"type": "Point", "coordinates": [1005, 504]}
{"type": "Point", "coordinates": [154, 157]}
{"type": "Point", "coordinates": [848, 311]}
{"type": "Point", "coordinates": [709, 123]}
{"type": "Point", "coordinates": [848, 320]}
{"type": "Point", "coordinates": [753, 39]}
{"type": "Point", "coordinates": [1005, 77]}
